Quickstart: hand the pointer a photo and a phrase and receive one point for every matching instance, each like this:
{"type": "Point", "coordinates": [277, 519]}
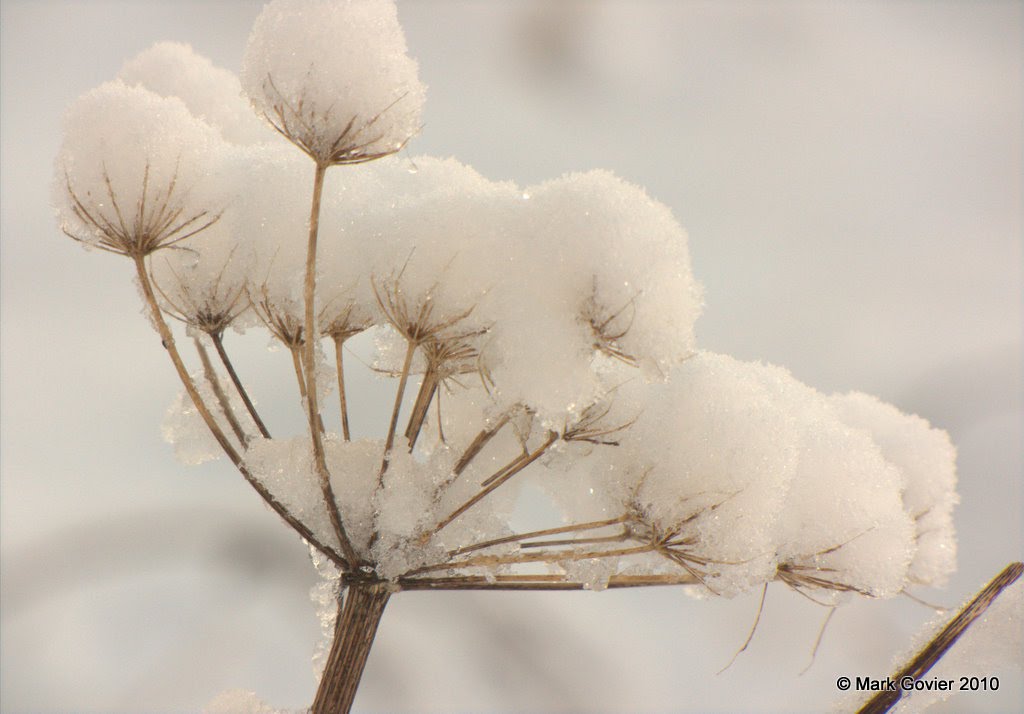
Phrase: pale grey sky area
{"type": "Point", "coordinates": [850, 176]}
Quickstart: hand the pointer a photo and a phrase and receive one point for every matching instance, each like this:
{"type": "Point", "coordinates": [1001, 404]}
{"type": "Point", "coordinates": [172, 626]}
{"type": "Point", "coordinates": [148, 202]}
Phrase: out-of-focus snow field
{"type": "Point", "coordinates": [851, 179]}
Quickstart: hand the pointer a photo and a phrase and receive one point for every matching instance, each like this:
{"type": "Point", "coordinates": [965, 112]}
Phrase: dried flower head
{"type": "Point", "coordinates": [334, 78]}
{"type": "Point", "coordinates": [134, 171]}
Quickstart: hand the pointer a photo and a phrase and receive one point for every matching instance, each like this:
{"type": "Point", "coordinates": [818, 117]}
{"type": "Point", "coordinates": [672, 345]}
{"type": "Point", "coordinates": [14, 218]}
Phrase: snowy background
{"type": "Point", "coordinates": [851, 179]}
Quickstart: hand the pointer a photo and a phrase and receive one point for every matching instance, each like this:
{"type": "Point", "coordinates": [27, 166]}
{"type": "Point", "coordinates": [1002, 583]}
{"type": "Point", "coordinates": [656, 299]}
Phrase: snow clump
{"type": "Point", "coordinates": [334, 77]}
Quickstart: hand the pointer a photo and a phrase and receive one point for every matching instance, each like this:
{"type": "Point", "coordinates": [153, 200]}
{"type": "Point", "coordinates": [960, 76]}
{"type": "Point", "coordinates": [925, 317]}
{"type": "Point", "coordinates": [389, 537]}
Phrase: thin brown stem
{"type": "Point", "coordinates": [399, 394]}
{"type": "Point", "coordinates": [500, 473]}
{"type": "Point", "coordinates": [817, 640]}
{"type": "Point", "coordinates": [218, 392]}
{"type": "Point", "coordinates": [617, 538]}
{"type": "Point", "coordinates": [218, 343]}
{"type": "Point", "coordinates": [300, 378]}
{"type": "Point", "coordinates": [425, 395]}
{"type": "Point", "coordinates": [537, 582]}
{"type": "Point", "coordinates": [340, 367]}
{"type": "Point", "coordinates": [542, 557]}
{"type": "Point", "coordinates": [753, 629]}
{"type": "Point", "coordinates": [167, 338]}
{"type": "Point", "coordinates": [932, 652]}
{"type": "Point", "coordinates": [592, 525]}
{"type": "Point", "coordinates": [477, 445]}
{"type": "Point", "coordinates": [309, 366]}
{"type": "Point", "coordinates": [493, 483]}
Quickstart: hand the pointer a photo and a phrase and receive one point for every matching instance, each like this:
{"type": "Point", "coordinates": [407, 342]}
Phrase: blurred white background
{"type": "Point", "coordinates": [850, 175]}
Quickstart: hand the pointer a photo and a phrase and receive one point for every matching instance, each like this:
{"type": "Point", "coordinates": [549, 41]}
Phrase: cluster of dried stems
{"type": "Point", "coordinates": [160, 221]}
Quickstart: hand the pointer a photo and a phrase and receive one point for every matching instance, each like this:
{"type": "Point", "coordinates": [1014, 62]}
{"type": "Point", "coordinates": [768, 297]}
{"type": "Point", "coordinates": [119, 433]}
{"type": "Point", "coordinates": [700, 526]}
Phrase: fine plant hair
{"type": "Point", "coordinates": [537, 339]}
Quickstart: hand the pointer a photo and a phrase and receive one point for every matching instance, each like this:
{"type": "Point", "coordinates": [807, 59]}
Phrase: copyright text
{"type": "Point", "coordinates": [909, 684]}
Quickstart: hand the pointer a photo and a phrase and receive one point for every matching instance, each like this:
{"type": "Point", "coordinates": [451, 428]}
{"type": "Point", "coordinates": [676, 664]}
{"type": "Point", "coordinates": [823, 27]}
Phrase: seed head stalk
{"type": "Point", "coordinates": [393, 426]}
{"type": "Point", "coordinates": [218, 392]}
{"type": "Point", "coordinates": [167, 338]}
{"type": "Point", "coordinates": [218, 343]}
{"type": "Point", "coordinates": [339, 364]}
{"type": "Point", "coordinates": [309, 366]}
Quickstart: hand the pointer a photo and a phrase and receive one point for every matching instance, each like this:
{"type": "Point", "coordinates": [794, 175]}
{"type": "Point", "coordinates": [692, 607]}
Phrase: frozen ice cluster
{"type": "Point", "coordinates": [541, 339]}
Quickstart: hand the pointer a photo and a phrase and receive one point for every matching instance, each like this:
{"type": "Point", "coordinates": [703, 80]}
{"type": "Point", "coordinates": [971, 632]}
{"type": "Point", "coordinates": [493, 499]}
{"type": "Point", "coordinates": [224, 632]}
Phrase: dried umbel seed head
{"type": "Point", "coordinates": [334, 78]}
{"type": "Point", "coordinates": [135, 171]}
{"type": "Point", "coordinates": [204, 284]}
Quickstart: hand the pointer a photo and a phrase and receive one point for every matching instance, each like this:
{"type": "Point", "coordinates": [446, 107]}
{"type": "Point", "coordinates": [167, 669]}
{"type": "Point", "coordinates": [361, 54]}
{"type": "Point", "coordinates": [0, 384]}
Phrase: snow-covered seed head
{"type": "Point", "coordinates": [134, 171]}
{"type": "Point", "coordinates": [416, 319]}
{"type": "Point", "coordinates": [282, 317]}
{"type": "Point", "coordinates": [209, 304]}
{"type": "Point", "coordinates": [609, 327]}
{"type": "Point", "coordinates": [342, 319]}
{"type": "Point", "coordinates": [334, 78]}
{"type": "Point", "coordinates": [203, 283]}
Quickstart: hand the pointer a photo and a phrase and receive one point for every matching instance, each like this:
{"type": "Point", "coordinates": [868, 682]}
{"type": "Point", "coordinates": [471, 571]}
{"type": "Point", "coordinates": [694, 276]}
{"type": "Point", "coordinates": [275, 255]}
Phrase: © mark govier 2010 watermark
{"type": "Point", "coordinates": [909, 684]}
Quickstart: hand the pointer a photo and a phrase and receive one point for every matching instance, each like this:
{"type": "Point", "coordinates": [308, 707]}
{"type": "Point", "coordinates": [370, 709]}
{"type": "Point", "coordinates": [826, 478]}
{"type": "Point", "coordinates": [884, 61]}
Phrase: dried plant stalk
{"type": "Point", "coordinates": [340, 367]}
{"type": "Point", "coordinates": [359, 614]}
{"type": "Point", "coordinates": [591, 525]}
{"type": "Point", "coordinates": [932, 652]}
{"type": "Point", "coordinates": [497, 480]}
{"type": "Point", "coordinates": [410, 351]}
{"type": "Point", "coordinates": [222, 399]}
{"type": "Point", "coordinates": [218, 343]}
{"type": "Point", "coordinates": [309, 365]}
{"type": "Point", "coordinates": [478, 443]}
{"type": "Point", "coordinates": [167, 338]}
{"type": "Point", "coordinates": [536, 582]}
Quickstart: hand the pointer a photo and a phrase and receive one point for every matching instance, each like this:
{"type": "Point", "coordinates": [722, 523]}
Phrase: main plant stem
{"type": "Point", "coordinates": [358, 618]}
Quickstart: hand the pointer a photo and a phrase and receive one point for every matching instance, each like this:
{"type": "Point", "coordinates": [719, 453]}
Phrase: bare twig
{"type": "Point", "coordinates": [624, 534]}
{"type": "Point", "coordinates": [497, 480]}
{"type": "Point", "coordinates": [399, 393]}
{"type": "Point", "coordinates": [218, 392]}
{"type": "Point", "coordinates": [300, 379]}
{"type": "Point", "coordinates": [309, 366]}
{"type": "Point", "coordinates": [340, 326]}
{"type": "Point", "coordinates": [425, 395]}
{"type": "Point", "coordinates": [542, 557]}
{"type": "Point", "coordinates": [478, 443]}
{"type": "Point", "coordinates": [446, 357]}
{"type": "Point", "coordinates": [932, 652]}
{"type": "Point", "coordinates": [340, 367]}
{"type": "Point", "coordinates": [167, 338]}
{"type": "Point", "coordinates": [218, 343]}
{"type": "Point", "coordinates": [753, 629]}
{"type": "Point", "coordinates": [535, 582]}
{"type": "Point", "coordinates": [591, 525]}
{"type": "Point", "coordinates": [819, 638]}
